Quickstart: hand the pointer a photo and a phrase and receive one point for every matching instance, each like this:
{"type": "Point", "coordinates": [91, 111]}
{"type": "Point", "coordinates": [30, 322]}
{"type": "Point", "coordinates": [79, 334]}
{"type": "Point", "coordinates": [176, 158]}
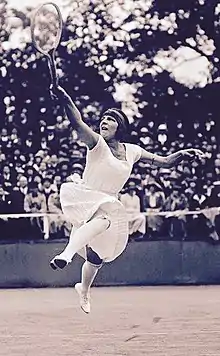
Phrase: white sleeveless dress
{"type": "Point", "coordinates": [97, 192]}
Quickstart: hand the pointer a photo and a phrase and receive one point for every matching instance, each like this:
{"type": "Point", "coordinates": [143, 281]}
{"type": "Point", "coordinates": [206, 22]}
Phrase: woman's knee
{"type": "Point", "coordinates": [103, 217]}
{"type": "Point", "coordinates": [93, 258]}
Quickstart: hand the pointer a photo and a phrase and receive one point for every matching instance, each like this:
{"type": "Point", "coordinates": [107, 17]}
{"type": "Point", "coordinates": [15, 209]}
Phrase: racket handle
{"type": "Point", "coordinates": [53, 71]}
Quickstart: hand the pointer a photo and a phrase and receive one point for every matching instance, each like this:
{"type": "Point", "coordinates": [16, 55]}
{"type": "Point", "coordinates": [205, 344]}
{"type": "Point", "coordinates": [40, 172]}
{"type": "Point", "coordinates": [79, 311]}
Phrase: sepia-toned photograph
{"type": "Point", "coordinates": [109, 178]}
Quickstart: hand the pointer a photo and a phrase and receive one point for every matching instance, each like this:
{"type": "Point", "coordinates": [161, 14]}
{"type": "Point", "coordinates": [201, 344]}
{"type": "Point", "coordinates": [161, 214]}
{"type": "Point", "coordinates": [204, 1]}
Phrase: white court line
{"type": "Point", "coordinates": [171, 333]}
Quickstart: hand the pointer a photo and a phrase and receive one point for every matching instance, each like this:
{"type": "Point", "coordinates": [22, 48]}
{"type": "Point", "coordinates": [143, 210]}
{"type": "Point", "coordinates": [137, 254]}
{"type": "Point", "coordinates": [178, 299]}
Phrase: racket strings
{"type": "Point", "coordinates": [46, 28]}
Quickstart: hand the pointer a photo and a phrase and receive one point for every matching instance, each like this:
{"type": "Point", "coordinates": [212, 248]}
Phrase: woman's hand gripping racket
{"type": "Point", "coordinates": [46, 31]}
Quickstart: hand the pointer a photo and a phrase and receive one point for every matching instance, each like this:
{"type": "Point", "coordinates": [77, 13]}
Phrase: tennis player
{"type": "Point", "coordinates": [100, 225]}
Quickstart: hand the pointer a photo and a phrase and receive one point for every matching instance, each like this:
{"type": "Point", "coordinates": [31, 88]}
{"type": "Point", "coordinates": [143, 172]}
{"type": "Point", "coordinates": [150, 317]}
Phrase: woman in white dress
{"type": "Point", "coordinates": [100, 224]}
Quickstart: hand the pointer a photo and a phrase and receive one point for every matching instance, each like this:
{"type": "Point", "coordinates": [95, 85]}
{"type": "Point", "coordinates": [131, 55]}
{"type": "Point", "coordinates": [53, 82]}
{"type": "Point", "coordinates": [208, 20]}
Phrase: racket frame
{"type": "Point", "coordinates": [50, 55]}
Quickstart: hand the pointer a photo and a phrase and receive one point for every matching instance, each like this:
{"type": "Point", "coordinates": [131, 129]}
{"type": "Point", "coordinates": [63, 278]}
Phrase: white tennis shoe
{"type": "Point", "coordinates": [58, 262]}
{"type": "Point", "coordinates": [84, 298]}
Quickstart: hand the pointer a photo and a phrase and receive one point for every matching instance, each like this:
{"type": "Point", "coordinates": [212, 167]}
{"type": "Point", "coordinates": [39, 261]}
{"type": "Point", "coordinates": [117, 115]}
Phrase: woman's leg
{"type": "Point", "coordinates": [79, 239]}
{"type": "Point", "coordinates": [90, 268]}
{"type": "Point", "coordinates": [89, 271]}
{"type": "Point", "coordinates": [88, 274]}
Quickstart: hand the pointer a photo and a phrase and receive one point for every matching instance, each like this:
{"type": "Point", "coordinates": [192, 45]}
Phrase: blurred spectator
{"type": "Point", "coordinates": [2, 155]}
{"type": "Point", "coordinates": [53, 143]}
{"type": "Point", "coordinates": [153, 202]}
{"type": "Point", "coordinates": [18, 157]}
{"type": "Point", "coordinates": [28, 145]}
{"type": "Point", "coordinates": [137, 220]}
{"type": "Point", "coordinates": [213, 215]}
{"type": "Point", "coordinates": [58, 226]}
{"type": "Point", "coordinates": [30, 173]}
{"type": "Point", "coordinates": [35, 202]}
{"type": "Point", "coordinates": [14, 136]}
{"type": "Point", "coordinates": [4, 138]}
{"type": "Point", "coordinates": [42, 170]}
{"type": "Point", "coordinates": [37, 162]}
{"type": "Point", "coordinates": [64, 170]}
{"type": "Point", "coordinates": [198, 224]}
{"type": "Point", "coordinates": [19, 193]}
{"type": "Point", "coordinates": [61, 126]}
{"type": "Point", "coordinates": [208, 187]}
{"type": "Point", "coordinates": [35, 134]}
{"type": "Point", "coordinates": [47, 188]}
{"type": "Point", "coordinates": [20, 190]}
{"type": "Point", "coordinates": [8, 177]}
{"type": "Point", "coordinates": [53, 162]}
{"type": "Point", "coordinates": [145, 137]}
{"type": "Point", "coordinates": [217, 164]}
{"type": "Point", "coordinates": [162, 136]}
{"type": "Point", "coordinates": [176, 225]}
{"type": "Point", "coordinates": [5, 208]}
{"type": "Point", "coordinates": [57, 183]}
{"type": "Point", "coordinates": [5, 201]}
{"type": "Point", "coordinates": [76, 153]}
{"type": "Point", "coordinates": [166, 180]}
{"type": "Point", "coordinates": [43, 144]}
{"type": "Point", "coordinates": [77, 169]}
{"type": "Point", "coordinates": [135, 175]}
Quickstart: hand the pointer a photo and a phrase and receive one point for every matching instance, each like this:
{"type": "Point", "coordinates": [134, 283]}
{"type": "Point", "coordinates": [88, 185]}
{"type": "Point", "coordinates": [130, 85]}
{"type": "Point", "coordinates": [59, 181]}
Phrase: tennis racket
{"type": "Point", "coordinates": [46, 31]}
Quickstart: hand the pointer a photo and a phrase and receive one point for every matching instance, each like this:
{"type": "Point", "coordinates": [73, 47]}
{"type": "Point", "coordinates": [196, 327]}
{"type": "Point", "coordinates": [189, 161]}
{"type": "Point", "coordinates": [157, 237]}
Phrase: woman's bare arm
{"type": "Point", "coordinates": [172, 159]}
{"type": "Point", "coordinates": [85, 133]}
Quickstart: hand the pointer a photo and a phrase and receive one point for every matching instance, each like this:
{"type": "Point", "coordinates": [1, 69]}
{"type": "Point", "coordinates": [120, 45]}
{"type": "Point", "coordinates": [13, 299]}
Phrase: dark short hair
{"type": "Point", "coordinates": [122, 120]}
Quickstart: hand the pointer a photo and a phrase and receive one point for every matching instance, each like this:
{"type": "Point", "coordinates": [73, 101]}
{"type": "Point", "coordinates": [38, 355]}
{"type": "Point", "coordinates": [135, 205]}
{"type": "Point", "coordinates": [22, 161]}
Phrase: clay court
{"type": "Point", "coordinates": [130, 321]}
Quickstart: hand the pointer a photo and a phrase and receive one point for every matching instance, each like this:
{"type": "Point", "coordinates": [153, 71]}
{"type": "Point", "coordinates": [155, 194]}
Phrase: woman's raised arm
{"type": "Point", "coordinates": [85, 133]}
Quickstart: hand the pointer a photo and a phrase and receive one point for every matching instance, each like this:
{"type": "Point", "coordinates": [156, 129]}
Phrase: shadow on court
{"type": "Point", "coordinates": [172, 321]}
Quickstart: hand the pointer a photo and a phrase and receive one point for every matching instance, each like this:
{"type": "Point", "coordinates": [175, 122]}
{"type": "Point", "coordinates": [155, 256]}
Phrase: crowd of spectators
{"type": "Point", "coordinates": [39, 149]}
{"type": "Point", "coordinates": [30, 182]}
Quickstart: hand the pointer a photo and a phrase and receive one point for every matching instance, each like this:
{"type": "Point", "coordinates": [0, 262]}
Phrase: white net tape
{"type": "Point", "coordinates": [48, 218]}
{"type": "Point", "coordinates": [207, 212]}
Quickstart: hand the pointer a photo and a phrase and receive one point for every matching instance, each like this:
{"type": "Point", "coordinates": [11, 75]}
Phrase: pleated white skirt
{"type": "Point", "coordinates": [79, 204]}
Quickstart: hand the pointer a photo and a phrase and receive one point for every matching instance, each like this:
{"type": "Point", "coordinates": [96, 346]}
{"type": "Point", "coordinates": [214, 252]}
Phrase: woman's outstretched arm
{"type": "Point", "coordinates": [85, 133]}
{"type": "Point", "coordinates": [172, 159]}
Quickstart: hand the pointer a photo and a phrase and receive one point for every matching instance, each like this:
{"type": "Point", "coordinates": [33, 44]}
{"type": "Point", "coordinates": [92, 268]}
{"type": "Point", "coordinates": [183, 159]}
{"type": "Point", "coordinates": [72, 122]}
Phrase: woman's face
{"type": "Point", "coordinates": [108, 127]}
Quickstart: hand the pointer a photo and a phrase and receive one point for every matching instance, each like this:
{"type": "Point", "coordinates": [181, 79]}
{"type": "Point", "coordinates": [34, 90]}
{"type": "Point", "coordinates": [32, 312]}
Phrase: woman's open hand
{"type": "Point", "coordinates": [193, 153]}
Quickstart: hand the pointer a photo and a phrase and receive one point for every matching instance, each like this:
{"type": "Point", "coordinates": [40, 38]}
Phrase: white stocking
{"type": "Point", "coordinates": [83, 236]}
{"type": "Point", "coordinates": [89, 272]}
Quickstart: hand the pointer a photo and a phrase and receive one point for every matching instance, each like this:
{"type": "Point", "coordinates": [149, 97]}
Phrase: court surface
{"type": "Point", "coordinates": [132, 321]}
